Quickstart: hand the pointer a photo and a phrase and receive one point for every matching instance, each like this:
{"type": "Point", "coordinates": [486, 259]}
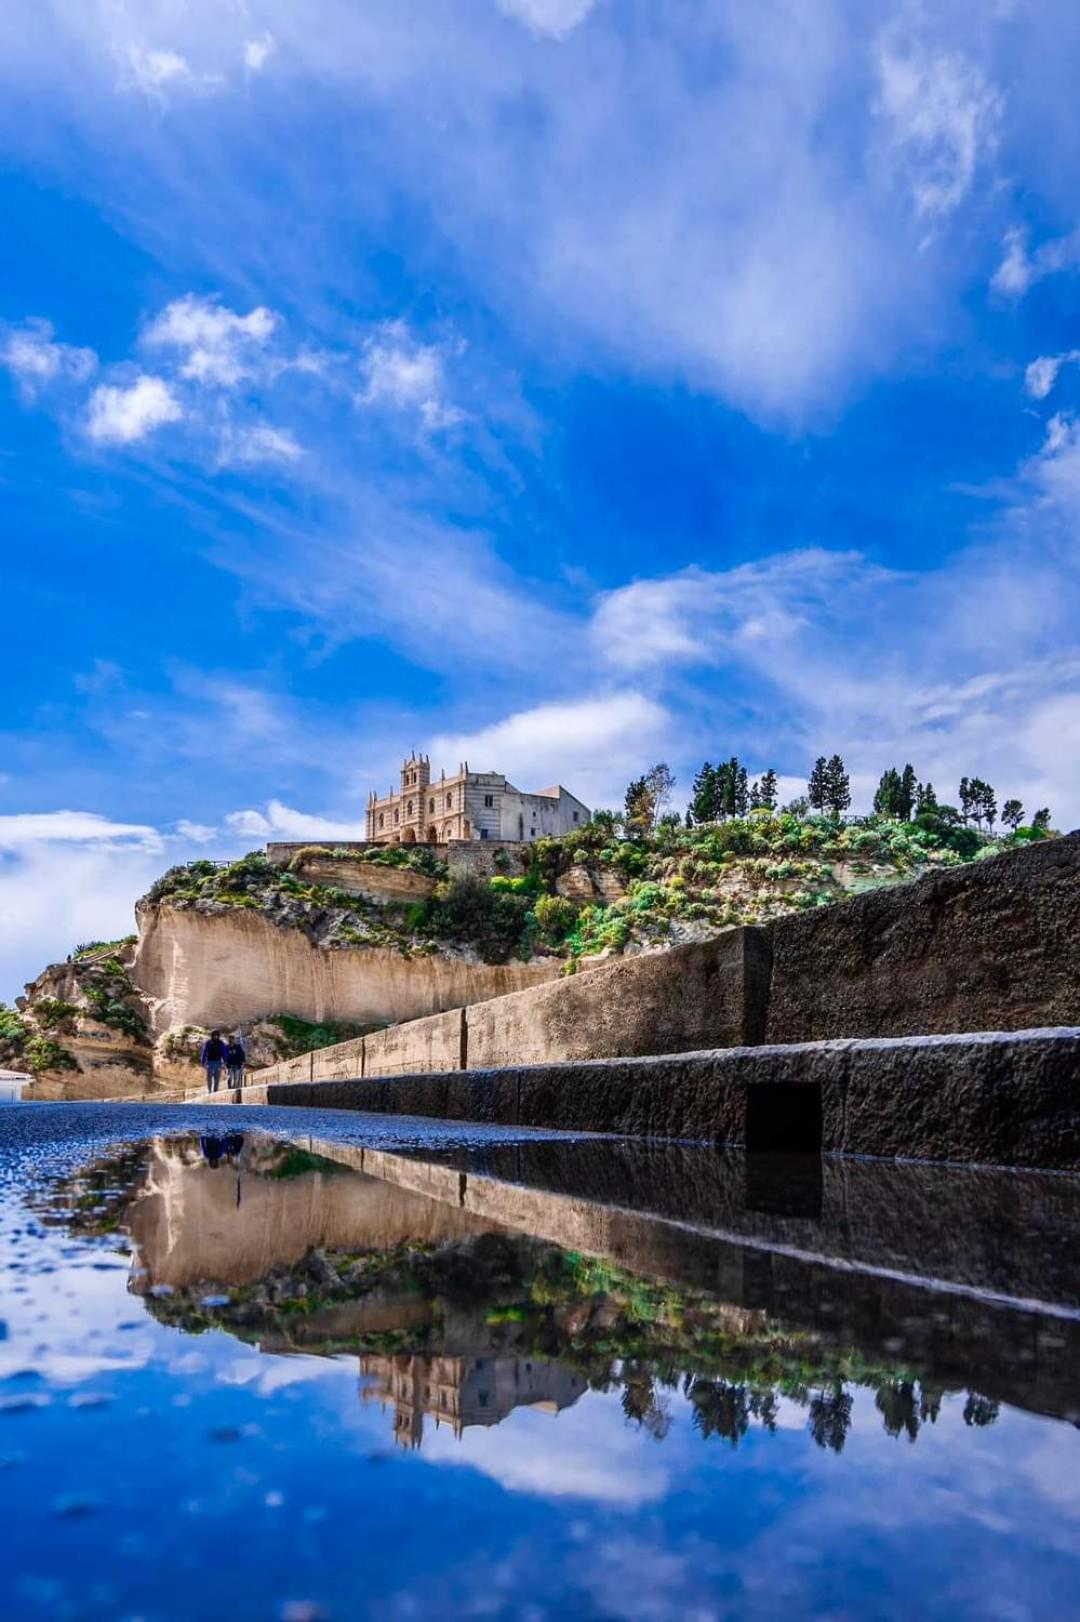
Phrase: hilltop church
{"type": "Point", "coordinates": [469, 805]}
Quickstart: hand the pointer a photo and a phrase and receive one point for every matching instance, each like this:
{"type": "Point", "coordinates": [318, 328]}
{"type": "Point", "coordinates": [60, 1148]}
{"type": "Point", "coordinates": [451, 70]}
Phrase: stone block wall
{"type": "Point", "coordinates": [707, 995]}
{"type": "Point", "coordinates": [993, 945]}
{"type": "Point", "coordinates": [435, 1043]}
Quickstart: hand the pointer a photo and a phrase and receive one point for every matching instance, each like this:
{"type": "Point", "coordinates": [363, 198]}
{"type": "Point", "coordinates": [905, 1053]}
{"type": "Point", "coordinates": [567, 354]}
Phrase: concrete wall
{"type": "Point", "coordinates": [994, 945]}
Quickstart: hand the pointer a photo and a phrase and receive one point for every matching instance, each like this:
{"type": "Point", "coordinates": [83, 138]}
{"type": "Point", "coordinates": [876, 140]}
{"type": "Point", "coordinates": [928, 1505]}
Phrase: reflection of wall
{"type": "Point", "coordinates": [461, 1391]}
{"type": "Point", "coordinates": [188, 1228]}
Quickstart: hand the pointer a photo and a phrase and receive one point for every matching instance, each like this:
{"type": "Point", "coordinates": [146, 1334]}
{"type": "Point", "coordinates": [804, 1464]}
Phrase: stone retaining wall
{"type": "Point", "coordinates": [994, 944]}
{"type": "Point", "coordinates": [999, 1098]}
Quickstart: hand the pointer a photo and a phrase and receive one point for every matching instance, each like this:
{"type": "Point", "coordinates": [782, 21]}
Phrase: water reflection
{"type": "Point", "coordinates": [471, 1285]}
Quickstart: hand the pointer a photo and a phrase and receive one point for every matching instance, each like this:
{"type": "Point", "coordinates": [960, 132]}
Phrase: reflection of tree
{"type": "Point", "coordinates": [980, 1411]}
{"type": "Point", "coordinates": [640, 1402]}
{"type": "Point", "coordinates": [830, 1417]}
{"type": "Point", "coordinates": [721, 1409]}
{"type": "Point", "coordinates": [895, 1401]}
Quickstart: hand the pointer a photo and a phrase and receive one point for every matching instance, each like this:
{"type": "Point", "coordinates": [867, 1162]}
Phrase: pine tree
{"type": "Point", "coordinates": [1041, 820]}
{"type": "Point", "coordinates": [740, 792]}
{"type": "Point", "coordinates": [817, 788]}
{"type": "Point", "coordinates": [967, 799]}
{"type": "Point", "coordinates": [838, 787]}
{"type": "Point", "coordinates": [907, 793]}
{"type": "Point", "coordinates": [887, 796]}
{"type": "Point", "coordinates": [1012, 814]}
{"type": "Point", "coordinates": [755, 795]}
{"type": "Point", "coordinates": [768, 790]}
{"type": "Point", "coordinates": [689, 818]}
{"type": "Point", "coordinates": [639, 810]}
{"type": "Point", "coordinates": [988, 806]}
{"type": "Point", "coordinates": [925, 799]}
{"type": "Point", "coordinates": [704, 801]}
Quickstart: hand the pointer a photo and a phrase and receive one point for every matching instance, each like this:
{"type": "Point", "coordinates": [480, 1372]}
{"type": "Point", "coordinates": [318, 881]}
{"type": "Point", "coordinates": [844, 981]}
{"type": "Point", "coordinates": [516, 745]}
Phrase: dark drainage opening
{"type": "Point", "coordinates": [783, 1185]}
{"type": "Point", "coordinates": [783, 1117]}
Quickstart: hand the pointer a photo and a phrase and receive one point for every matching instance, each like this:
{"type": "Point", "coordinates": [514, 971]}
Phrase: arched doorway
{"type": "Point", "coordinates": [409, 837]}
{"type": "Point", "coordinates": [433, 835]}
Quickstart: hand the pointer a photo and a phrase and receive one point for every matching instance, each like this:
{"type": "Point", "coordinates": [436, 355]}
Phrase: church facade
{"type": "Point", "coordinates": [468, 805]}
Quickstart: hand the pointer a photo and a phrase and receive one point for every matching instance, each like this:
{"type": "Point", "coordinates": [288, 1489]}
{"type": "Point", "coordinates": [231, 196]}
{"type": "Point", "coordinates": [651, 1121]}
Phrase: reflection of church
{"type": "Point", "coordinates": [464, 1390]}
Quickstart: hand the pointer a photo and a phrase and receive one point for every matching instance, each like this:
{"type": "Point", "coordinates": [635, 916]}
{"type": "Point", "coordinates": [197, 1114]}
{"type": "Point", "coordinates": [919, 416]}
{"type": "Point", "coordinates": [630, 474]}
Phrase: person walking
{"type": "Point", "coordinates": [212, 1057]}
{"type": "Point", "coordinates": [235, 1059]}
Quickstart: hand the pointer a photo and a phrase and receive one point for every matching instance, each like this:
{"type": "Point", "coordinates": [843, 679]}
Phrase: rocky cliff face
{"type": "Point", "coordinates": [136, 1027]}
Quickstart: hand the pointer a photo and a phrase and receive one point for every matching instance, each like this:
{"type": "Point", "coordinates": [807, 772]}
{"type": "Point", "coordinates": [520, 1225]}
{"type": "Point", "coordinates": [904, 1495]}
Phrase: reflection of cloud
{"type": "Point", "coordinates": [588, 1451]}
{"type": "Point", "coordinates": [278, 1373]}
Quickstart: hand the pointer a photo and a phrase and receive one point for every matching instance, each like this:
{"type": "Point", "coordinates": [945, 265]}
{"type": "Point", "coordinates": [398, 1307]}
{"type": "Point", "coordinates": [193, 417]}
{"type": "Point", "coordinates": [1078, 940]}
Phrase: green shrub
{"type": "Point", "coordinates": [466, 908]}
{"type": "Point", "coordinates": [555, 918]}
{"type": "Point", "coordinates": [54, 1012]}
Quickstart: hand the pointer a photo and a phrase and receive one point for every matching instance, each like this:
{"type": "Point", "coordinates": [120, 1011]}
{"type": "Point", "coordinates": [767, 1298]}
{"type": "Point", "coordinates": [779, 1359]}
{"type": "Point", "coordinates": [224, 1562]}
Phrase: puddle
{"type": "Point", "coordinates": [327, 1366]}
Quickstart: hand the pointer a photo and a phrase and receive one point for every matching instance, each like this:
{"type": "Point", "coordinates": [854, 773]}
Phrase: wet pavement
{"type": "Point", "coordinates": [298, 1364]}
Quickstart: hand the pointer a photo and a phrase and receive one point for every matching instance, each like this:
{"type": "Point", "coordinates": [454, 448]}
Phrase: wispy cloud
{"type": "Point", "coordinates": [34, 358]}
{"type": "Point", "coordinates": [942, 116]}
{"type": "Point", "coordinates": [1019, 270]}
{"type": "Point", "coordinates": [403, 374]}
{"type": "Point", "coordinates": [556, 18]}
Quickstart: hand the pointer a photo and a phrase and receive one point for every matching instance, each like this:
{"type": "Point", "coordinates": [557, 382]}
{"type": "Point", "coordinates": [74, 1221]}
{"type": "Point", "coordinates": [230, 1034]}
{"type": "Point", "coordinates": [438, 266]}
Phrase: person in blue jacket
{"type": "Point", "coordinates": [214, 1054]}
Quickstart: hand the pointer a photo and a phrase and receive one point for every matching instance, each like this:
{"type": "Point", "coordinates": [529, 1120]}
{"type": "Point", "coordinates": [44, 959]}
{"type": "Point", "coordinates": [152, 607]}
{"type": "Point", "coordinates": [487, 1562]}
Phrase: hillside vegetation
{"type": "Point", "coordinates": [595, 890]}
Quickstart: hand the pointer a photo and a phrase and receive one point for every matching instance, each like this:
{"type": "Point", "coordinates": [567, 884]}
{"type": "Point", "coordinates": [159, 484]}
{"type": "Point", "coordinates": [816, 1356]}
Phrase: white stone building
{"type": "Point", "coordinates": [469, 805]}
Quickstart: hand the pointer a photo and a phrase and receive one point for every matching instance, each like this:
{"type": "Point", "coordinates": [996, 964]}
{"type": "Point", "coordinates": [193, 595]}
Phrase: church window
{"type": "Point", "coordinates": [408, 809]}
{"type": "Point", "coordinates": [575, 816]}
{"type": "Point", "coordinates": [382, 819]}
{"type": "Point", "coordinates": [431, 805]}
{"type": "Point", "coordinates": [489, 800]}
{"type": "Point", "coordinates": [397, 816]}
{"type": "Point", "coordinates": [449, 802]}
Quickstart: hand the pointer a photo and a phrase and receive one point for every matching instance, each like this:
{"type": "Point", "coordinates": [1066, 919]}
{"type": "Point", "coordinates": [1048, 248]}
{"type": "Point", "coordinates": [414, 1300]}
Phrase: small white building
{"type": "Point", "coordinates": [12, 1083]}
{"type": "Point", "coordinates": [468, 805]}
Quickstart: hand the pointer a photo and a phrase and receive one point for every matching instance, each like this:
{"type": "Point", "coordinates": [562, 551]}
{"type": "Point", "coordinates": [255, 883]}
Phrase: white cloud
{"type": "Point", "coordinates": [59, 889]}
{"type": "Point", "coordinates": [155, 69]}
{"type": "Point", "coordinates": [122, 416]}
{"type": "Point", "coordinates": [1020, 270]}
{"type": "Point", "coordinates": [406, 375]}
{"type": "Point", "coordinates": [33, 357]}
{"type": "Point", "coordinates": [555, 17]}
{"type": "Point", "coordinates": [283, 822]}
{"type": "Point", "coordinates": [1042, 374]}
{"type": "Point", "coordinates": [19, 831]}
{"type": "Point", "coordinates": [216, 344]}
{"type": "Point", "coordinates": [942, 116]}
{"type": "Point", "coordinates": [257, 52]}
{"type": "Point", "coordinates": [200, 833]}
{"type": "Point", "coordinates": [591, 745]}
{"type": "Point", "coordinates": [245, 447]}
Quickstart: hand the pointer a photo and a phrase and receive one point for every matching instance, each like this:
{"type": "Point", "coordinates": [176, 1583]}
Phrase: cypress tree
{"type": "Point", "coordinates": [703, 803]}
{"type": "Point", "coordinates": [907, 793]}
{"type": "Point", "coordinates": [837, 787]}
{"type": "Point", "coordinates": [768, 790]}
{"type": "Point", "coordinates": [817, 788]}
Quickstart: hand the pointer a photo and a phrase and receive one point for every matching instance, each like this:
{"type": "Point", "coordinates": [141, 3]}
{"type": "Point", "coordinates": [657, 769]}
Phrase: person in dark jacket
{"type": "Point", "coordinates": [212, 1057]}
{"type": "Point", "coordinates": [235, 1059]}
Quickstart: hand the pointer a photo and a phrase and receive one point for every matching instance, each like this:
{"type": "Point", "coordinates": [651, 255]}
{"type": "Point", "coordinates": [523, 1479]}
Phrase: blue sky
{"type": "Point", "coordinates": [561, 384]}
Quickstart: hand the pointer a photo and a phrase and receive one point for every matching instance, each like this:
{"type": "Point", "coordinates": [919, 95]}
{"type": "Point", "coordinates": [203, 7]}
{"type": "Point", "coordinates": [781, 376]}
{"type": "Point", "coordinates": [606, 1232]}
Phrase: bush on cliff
{"type": "Point", "coordinates": [21, 1046]}
{"type": "Point", "coordinates": [469, 909]}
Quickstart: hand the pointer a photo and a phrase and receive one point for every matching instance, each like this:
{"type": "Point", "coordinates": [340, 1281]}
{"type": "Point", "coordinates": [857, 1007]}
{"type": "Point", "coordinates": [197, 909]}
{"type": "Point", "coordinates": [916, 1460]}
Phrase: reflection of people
{"type": "Point", "coordinates": [212, 1148]}
{"type": "Point", "coordinates": [235, 1059]}
{"type": "Point", "coordinates": [212, 1058]}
